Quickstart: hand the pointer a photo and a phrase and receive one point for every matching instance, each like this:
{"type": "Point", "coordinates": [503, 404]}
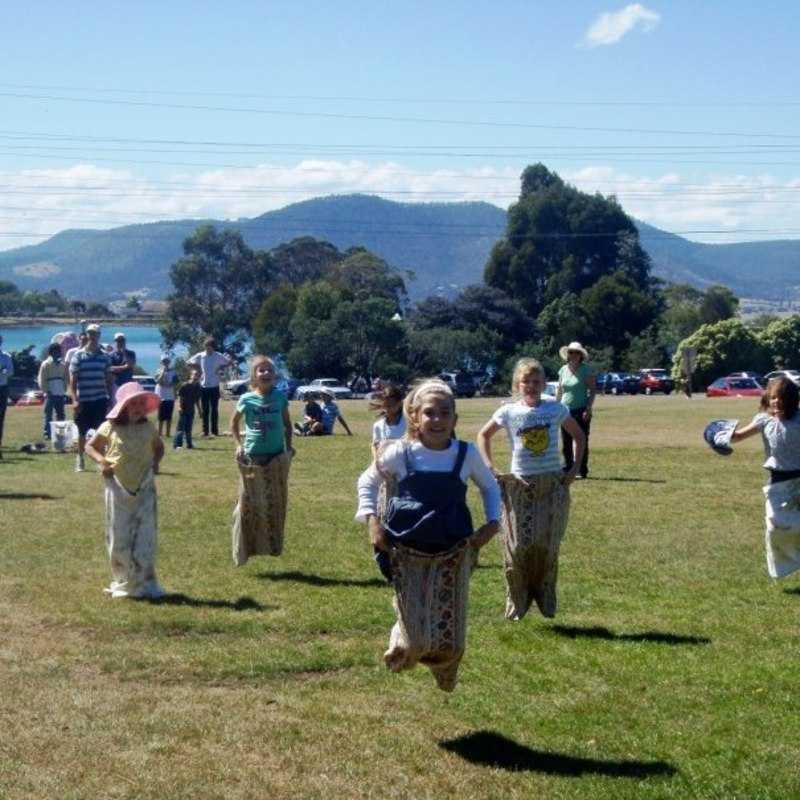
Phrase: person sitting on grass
{"type": "Point", "coordinates": [128, 450]}
{"type": "Point", "coordinates": [330, 413]}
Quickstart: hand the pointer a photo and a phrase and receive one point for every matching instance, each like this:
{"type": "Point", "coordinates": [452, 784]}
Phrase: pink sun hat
{"type": "Point", "coordinates": [127, 392]}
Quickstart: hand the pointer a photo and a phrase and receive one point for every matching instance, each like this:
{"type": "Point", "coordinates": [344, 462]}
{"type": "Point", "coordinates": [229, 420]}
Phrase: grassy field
{"type": "Point", "coordinates": [670, 671]}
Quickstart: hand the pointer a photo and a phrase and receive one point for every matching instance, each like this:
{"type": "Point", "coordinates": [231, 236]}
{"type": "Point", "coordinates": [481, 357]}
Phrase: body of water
{"type": "Point", "coordinates": [144, 340]}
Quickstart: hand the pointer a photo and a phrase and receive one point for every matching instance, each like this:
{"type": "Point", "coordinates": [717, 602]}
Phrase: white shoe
{"type": "Point", "coordinates": [79, 464]}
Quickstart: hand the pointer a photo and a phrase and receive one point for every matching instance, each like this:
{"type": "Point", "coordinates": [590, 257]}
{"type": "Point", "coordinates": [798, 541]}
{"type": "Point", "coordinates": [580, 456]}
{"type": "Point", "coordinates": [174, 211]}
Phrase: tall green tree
{"type": "Point", "coordinates": [782, 339]}
{"type": "Point", "coordinates": [218, 287]}
{"type": "Point", "coordinates": [560, 240]}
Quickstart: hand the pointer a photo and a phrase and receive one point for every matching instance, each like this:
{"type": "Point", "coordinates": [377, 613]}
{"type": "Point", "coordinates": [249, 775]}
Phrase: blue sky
{"type": "Point", "coordinates": [115, 113]}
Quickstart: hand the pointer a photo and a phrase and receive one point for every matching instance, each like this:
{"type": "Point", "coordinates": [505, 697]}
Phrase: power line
{"type": "Point", "coordinates": [388, 118]}
{"type": "Point", "coordinates": [417, 100]}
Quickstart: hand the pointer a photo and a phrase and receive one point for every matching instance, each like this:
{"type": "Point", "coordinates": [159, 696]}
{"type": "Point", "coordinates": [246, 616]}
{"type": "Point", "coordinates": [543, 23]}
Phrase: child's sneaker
{"type": "Point", "coordinates": [80, 465]}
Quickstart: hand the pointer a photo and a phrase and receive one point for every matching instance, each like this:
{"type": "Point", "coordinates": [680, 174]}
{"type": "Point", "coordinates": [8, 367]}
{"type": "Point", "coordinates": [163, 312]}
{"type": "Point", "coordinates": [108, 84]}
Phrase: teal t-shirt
{"type": "Point", "coordinates": [574, 390]}
{"type": "Point", "coordinates": [263, 422]}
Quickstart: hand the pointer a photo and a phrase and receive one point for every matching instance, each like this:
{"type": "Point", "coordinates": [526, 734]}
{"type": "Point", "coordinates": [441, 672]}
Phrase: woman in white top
{"type": "Point", "coordinates": [780, 432]}
{"type": "Point", "coordinates": [536, 493]}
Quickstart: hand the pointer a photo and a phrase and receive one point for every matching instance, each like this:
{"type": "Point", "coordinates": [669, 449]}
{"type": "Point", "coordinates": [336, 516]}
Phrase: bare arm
{"type": "Point", "coordinates": [158, 452]}
{"type": "Point", "coordinates": [574, 430]}
{"type": "Point", "coordinates": [237, 435]}
{"type": "Point", "coordinates": [344, 423]}
{"type": "Point", "coordinates": [591, 385]}
{"type": "Point", "coordinates": [745, 433]}
{"type": "Point", "coordinates": [287, 427]}
{"type": "Point", "coordinates": [95, 449]}
{"type": "Point", "coordinates": [484, 442]}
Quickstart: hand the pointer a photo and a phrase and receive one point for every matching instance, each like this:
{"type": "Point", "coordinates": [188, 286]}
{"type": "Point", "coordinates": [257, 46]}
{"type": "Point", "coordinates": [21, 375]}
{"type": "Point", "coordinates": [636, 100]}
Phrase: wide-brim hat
{"type": "Point", "coordinates": [718, 435]}
{"type": "Point", "coordinates": [127, 392]}
{"type": "Point", "coordinates": [577, 346]}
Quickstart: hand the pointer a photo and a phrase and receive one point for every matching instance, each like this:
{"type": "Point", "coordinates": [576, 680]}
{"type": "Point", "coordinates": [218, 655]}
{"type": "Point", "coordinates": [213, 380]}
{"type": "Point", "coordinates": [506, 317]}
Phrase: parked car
{"type": "Point", "coordinates": [655, 380]}
{"type": "Point", "coordinates": [617, 383]}
{"type": "Point", "coordinates": [757, 377]}
{"type": "Point", "coordinates": [550, 389]}
{"type": "Point", "coordinates": [237, 387]}
{"type": "Point", "coordinates": [330, 385]}
{"type": "Point", "coordinates": [734, 387]}
{"type": "Point", "coordinates": [31, 398]}
{"type": "Point", "coordinates": [462, 383]}
{"type": "Point", "coordinates": [792, 374]}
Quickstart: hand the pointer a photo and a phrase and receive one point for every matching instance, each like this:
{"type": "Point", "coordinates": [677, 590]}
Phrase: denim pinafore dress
{"type": "Point", "coordinates": [429, 512]}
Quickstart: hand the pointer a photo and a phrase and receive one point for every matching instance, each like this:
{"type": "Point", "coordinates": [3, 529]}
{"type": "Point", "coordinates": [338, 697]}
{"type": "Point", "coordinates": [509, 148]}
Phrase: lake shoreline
{"type": "Point", "coordinates": [70, 323]}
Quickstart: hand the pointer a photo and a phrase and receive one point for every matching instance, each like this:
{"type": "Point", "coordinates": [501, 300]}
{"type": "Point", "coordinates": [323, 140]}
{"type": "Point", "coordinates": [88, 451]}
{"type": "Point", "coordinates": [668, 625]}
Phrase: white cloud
{"type": "Point", "coordinates": [611, 26]}
{"type": "Point", "coordinates": [39, 203]}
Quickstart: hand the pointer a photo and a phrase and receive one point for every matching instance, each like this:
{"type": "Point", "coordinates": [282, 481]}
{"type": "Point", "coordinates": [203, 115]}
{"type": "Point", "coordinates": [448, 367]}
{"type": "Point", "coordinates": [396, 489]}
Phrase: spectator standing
{"type": "Point", "coordinates": [210, 363]}
{"type": "Point", "coordinates": [6, 372]}
{"type": "Point", "coordinates": [53, 379]}
{"type": "Point", "coordinates": [82, 340]}
{"type": "Point", "coordinates": [122, 361]}
{"type": "Point", "coordinates": [188, 400]}
{"type": "Point", "coordinates": [166, 378]}
{"type": "Point", "coordinates": [91, 383]}
{"type": "Point", "coordinates": [576, 390]}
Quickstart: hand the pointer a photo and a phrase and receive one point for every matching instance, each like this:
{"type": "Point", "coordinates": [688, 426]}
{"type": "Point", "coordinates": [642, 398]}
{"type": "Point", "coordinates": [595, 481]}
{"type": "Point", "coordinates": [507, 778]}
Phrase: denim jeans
{"type": "Point", "coordinates": [53, 403]}
{"type": "Point", "coordinates": [185, 422]}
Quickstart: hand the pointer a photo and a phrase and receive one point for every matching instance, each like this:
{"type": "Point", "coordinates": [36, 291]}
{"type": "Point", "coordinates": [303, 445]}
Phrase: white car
{"type": "Point", "coordinates": [550, 389]}
{"type": "Point", "coordinates": [329, 385]}
{"type": "Point", "coordinates": [791, 374]}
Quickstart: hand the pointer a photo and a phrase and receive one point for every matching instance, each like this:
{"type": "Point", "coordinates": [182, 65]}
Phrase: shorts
{"type": "Point", "coordinates": [91, 414]}
{"type": "Point", "coordinates": [165, 410]}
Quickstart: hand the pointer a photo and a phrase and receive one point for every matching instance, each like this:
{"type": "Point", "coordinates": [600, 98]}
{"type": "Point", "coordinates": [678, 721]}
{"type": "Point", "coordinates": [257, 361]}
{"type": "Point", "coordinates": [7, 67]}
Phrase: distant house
{"type": "Point", "coordinates": [156, 309]}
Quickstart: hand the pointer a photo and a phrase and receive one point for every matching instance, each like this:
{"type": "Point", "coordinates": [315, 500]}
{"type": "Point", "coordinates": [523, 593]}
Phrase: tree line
{"type": "Point", "coordinates": [570, 266]}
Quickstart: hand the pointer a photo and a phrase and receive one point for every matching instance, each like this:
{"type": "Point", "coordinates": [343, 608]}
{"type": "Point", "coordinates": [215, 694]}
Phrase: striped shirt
{"type": "Point", "coordinates": [91, 371]}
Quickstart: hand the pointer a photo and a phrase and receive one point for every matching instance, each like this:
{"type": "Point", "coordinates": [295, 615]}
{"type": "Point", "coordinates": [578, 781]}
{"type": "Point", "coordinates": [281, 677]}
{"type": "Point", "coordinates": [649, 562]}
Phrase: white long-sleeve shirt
{"type": "Point", "coordinates": [392, 461]}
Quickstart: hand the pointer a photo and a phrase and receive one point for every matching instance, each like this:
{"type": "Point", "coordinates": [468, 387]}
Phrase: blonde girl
{"type": "Point", "coordinates": [128, 450]}
{"type": "Point", "coordinates": [263, 456]}
{"type": "Point", "coordinates": [535, 493]}
{"type": "Point", "coordinates": [426, 536]}
{"type": "Point", "coordinates": [779, 427]}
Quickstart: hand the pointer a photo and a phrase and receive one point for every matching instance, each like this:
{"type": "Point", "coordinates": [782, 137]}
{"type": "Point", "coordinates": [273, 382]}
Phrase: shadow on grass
{"type": "Point", "coordinates": [319, 580]}
{"type": "Point", "coordinates": [489, 749]}
{"type": "Point", "coordinates": [180, 599]}
{"type": "Point", "coordinates": [793, 590]}
{"type": "Point", "coordinates": [626, 480]}
{"type": "Point", "coordinates": [27, 496]}
{"type": "Point", "coordinates": [656, 637]}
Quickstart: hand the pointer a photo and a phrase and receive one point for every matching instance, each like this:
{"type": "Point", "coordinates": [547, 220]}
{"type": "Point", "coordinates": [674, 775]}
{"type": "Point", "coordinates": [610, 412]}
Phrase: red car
{"type": "Point", "coordinates": [734, 387]}
{"type": "Point", "coordinates": [655, 380]}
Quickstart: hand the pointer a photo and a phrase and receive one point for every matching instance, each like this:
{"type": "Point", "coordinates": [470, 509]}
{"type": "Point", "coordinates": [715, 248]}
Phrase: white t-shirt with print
{"type": "Point", "coordinates": [781, 441]}
{"type": "Point", "coordinates": [533, 434]}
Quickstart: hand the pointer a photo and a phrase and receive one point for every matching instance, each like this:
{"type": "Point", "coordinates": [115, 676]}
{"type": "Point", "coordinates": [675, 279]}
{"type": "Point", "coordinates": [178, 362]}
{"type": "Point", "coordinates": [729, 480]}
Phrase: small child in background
{"type": "Point", "coordinates": [391, 424]}
{"type": "Point", "coordinates": [166, 378]}
{"type": "Point", "coordinates": [188, 402]}
{"type": "Point", "coordinates": [312, 418]}
{"type": "Point", "coordinates": [427, 531]}
{"type": "Point", "coordinates": [128, 450]}
{"type": "Point", "coordinates": [263, 456]}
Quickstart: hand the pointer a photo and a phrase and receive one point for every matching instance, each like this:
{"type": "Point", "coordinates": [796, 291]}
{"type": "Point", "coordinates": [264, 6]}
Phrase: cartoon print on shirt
{"type": "Point", "coordinates": [535, 438]}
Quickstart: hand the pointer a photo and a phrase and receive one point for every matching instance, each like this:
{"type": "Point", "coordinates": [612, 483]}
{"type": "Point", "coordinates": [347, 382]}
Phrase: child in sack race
{"type": "Point", "coordinates": [128, 450]}
{"type": "Point", "coordinates": [427, 534]}
{"type": "Point", "coordinates": [779, 427]}
{"type": "Point", "coordinates": [263, 457]}
{"type": "Point", "coordinates": [535, 493]}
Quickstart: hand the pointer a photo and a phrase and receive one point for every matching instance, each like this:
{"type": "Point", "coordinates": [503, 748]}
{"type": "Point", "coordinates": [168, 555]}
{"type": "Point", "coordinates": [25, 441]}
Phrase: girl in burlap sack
{"type": "Point", "coordinates": [779, 427]}
{"type": "Point", "coordinates": [128, 450]}
{"type": "Point", "coordinates": [263, 457]}
{"type": "Point", "coordinates": [427, 532]}
{"type": "Point", "coordinates": [535, 492]}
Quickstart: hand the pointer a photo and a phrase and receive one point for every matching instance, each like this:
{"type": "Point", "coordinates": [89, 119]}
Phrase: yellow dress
{"type": "Point", "coordinates": [129, 451]}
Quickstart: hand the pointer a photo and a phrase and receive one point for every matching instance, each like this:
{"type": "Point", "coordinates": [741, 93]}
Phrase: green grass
{"type": "Point", "coordinates": [669, 672]}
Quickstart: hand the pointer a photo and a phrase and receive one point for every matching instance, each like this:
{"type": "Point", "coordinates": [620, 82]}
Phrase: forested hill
{"type": "Point", "coordinates": [446, 245]}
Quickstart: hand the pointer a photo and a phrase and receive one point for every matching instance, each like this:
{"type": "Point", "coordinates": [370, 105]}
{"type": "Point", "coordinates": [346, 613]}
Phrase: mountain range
{"type": "Point", "coordinates": [445, 245]}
